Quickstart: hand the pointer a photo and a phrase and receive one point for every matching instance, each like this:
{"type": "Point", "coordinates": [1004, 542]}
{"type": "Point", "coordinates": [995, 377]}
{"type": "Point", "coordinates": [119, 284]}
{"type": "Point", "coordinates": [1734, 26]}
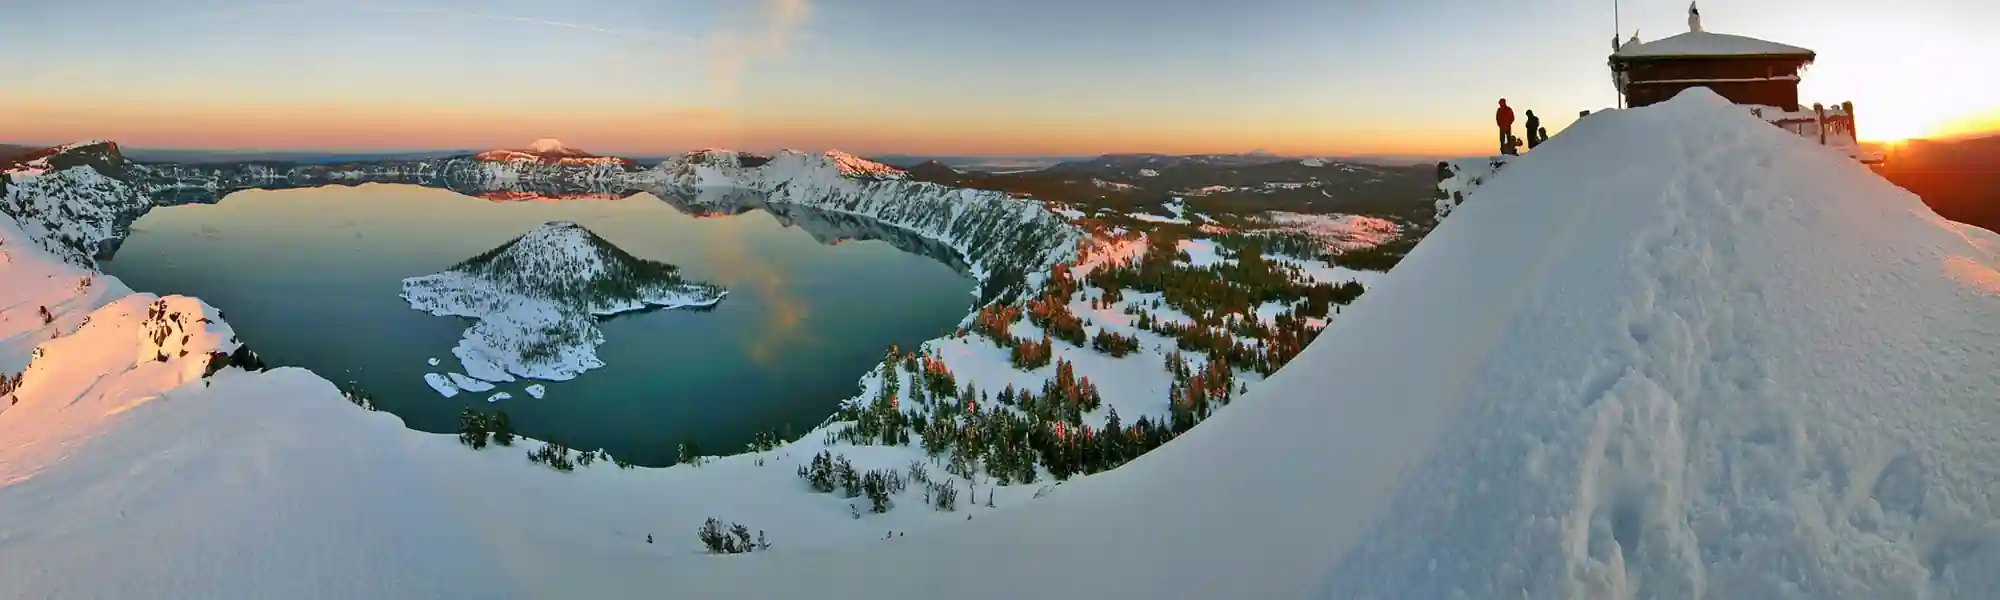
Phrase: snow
{"type": "Point", "coordinates": [1148, 173]}
{"type": "Point", "coordinates": [1109, 252]}
{"type": "Point", "coordinates": [538, 391]}
{"type": "Point", "coordinates": [1158, 219]}
{"type": "Point", "coordinates": [1177, 206]}
{"type": "Point", "coordinates": [444, 385]}
{"type": "Point", "coordinates": [1066, 212]}
{"type": "Point", "coordinates": [1321, 272]}
{"type": "Point", "coordinates": [469, 384]}
{"type": "Point", "coordinates": [1202, 253]}
{"type": "Point", "coordinates": [500, 396]}
{"type": "Point", "coordinates": [1464, 176]}
{"type": "Point", "coordinates": [433, 361]}
{"type": "Point", "coordinates": [1674, 353]}
{"type": "Point", "coordinates": [990, 230]}
{"type": "Point", "coordinates": [1702, 43]}
{"type": "Point", "coordinates": [855, 166]}
{"type": "Point", "coordinates": [1268, 312]}
{"type": "Point", "coordinates": [1113, 185]}
{"type": "Point", "coordinates": [1207, 190]}
{"type": "Point", "coordinates": [1342, 233]}
{"type": "Point", "coordinates": [1313, 162]}
{"type": "Point", "coordinates": [548, 146]}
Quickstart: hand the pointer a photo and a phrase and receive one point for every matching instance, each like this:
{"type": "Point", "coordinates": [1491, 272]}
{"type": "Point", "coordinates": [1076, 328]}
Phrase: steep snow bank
{"type": "Point", "coordinates": [1736, 364]}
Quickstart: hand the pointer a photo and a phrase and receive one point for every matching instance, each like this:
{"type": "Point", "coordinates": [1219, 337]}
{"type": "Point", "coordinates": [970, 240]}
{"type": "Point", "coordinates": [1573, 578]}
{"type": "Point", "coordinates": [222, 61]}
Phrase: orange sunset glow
{"type": "Point", "coordinates": [785, 76]}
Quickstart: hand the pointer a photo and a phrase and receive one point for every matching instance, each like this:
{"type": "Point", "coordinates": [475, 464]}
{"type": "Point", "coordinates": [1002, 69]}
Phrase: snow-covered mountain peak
{"type": "Point", "coordinates": [550, 250]}
{"type": "Point", "coordinates": [551, 146]}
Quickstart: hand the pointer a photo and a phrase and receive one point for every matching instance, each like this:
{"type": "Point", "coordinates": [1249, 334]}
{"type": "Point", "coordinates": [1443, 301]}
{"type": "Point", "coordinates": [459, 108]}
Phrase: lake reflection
{"type": "Point", "coordinates": [310, 278]}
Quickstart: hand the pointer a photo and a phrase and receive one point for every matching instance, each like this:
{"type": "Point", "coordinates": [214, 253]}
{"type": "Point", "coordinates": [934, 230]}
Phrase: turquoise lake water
{"type": "Point", "coordinates": [310, 278]}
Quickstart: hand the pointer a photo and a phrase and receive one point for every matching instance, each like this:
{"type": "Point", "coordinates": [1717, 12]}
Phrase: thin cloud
{"type": "Point", "coordinates": [735, 50]}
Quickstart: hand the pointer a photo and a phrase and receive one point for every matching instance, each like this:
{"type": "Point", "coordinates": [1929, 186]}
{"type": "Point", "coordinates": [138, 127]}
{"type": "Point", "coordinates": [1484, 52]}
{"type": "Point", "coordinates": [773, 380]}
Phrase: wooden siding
{"type": "Point", "coordinates": [1782, 94]}
{"type": "Point", "coordinates": [1770, 81]}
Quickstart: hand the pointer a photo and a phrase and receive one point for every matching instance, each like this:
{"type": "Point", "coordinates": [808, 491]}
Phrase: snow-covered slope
{"type": "Point", "coordinates": [536, 300]}
{"type": "Point", "coordinates": [1675, 352]}
{"type": "Point", "coordinates": [73, 200]}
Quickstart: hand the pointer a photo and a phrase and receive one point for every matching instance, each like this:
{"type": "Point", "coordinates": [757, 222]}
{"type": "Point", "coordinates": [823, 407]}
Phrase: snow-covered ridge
{"type": "Point", "coordinates": [73, 200]}
{"type": "Point", "coordinates": [551, 151]}
{"type": "Point", "coordinates": [1009, 241]}
{"type": "Point", "coordinates": [537, 297]}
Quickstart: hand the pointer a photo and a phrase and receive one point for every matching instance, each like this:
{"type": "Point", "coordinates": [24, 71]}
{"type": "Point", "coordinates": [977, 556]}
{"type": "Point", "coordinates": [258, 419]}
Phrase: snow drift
{"type": "Point", "coordinates": [1675, 352]}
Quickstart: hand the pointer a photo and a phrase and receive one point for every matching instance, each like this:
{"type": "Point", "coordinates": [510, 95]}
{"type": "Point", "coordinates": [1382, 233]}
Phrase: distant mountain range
{"type": "Point", "coordinates": [1959, 179]}
{"type": "Point", "coordinates": [1014, 164]}
{"type": "Point", "coordinates": [551, 151]}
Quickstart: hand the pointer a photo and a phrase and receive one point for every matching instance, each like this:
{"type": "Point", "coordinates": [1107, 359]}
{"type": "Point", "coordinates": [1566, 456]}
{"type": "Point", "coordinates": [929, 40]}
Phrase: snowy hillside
{"type": "Point", "coordinates": [72, 200]}
{"type": "Point", "coordinates": [1675, 352]}
{"type": "Point", "coordinates": [536, 300]}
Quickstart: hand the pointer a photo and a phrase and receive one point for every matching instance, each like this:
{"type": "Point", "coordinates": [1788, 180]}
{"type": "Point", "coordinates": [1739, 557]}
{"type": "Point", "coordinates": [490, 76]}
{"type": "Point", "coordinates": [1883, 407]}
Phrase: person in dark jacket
{"type": "Point", "coordinates": [1505, 118]}
{"type": "Point", "coordinates": [1534, 126]}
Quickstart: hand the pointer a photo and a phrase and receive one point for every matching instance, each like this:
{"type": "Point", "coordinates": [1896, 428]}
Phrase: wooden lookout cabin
{"type": "Point", "coordinates": [1744, 70]}
{"type": "Point", "coordinates": [1759, 74]}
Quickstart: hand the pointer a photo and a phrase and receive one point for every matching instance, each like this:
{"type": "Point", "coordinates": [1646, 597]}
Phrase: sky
{"type": "Point", "coordinates": [963, 77]}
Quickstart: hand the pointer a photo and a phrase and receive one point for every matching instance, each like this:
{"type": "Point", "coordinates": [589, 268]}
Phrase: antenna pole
{"type": "Point", "coordinates": [1617, 31]}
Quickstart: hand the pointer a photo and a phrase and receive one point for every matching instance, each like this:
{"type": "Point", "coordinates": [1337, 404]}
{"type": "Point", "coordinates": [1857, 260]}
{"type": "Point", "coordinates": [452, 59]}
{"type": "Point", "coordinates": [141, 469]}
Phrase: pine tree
{"type": "Point", "coordinates": [742, 542]}
{"type": "Point", "coordinates": [712, 536]}
{"type": "Point", "coordinates": [472, 429]}
{"type": "Point", "coordinates": [690, 452]}
{"type": "Point", "coordinates": [503, 430]}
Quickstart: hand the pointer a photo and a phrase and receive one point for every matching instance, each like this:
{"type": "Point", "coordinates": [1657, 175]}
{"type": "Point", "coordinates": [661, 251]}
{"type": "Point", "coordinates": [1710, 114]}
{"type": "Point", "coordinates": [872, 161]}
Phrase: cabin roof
{"type": "Point", "coordinates": [1702, 44]}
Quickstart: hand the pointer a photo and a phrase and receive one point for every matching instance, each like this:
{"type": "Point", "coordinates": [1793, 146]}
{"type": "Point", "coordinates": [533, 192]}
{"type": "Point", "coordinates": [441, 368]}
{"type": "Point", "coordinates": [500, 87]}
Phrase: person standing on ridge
{"type": "Point", "coordinates": [1534, 125]}
{"type": "Point", "coordinates": [1505, 117]}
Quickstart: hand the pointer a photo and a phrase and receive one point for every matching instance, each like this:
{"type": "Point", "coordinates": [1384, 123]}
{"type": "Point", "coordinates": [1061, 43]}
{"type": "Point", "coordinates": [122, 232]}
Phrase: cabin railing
{"type": "Point", "coordinates": [1827, 125]}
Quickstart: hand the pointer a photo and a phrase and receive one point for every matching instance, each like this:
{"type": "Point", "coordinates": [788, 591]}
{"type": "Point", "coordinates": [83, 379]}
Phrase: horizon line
{"type": "Point", "coordinates": [350, 151]}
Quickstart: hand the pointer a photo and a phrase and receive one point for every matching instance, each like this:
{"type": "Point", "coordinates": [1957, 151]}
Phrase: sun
{"type": "Point", "coordinates": [1889, 127]}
